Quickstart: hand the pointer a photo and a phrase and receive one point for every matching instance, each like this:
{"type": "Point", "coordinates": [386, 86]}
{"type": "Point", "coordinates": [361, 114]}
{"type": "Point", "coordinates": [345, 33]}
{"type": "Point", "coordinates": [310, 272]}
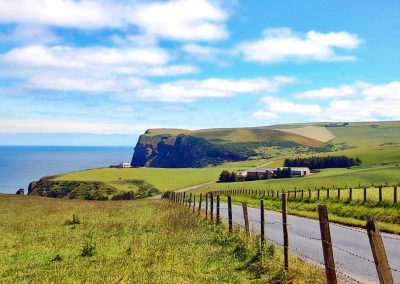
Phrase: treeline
{"type": "Point", "coordinates": [323, 162]}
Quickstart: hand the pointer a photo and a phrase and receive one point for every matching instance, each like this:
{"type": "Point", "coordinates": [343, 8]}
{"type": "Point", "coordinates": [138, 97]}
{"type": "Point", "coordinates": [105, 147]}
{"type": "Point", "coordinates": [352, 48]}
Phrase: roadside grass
{"type": "Point", "coordinates": [353, 213]}
{"type": "Point", "coordinates": [65, 241]}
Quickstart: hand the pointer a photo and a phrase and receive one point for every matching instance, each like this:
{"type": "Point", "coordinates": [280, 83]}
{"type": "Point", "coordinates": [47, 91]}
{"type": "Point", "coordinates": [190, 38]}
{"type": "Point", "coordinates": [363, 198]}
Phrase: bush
{"type": "Point", "coordinates": [89, 248]}
{"type": "Point", "coordinates": [75, 220]}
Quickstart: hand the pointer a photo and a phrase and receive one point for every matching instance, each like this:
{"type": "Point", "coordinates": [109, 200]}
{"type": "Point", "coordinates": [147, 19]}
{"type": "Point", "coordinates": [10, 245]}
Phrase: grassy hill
{"type": "Point", "coordinates": [199, 148]}
{"type": "Point", "coordinates": [73, 241]}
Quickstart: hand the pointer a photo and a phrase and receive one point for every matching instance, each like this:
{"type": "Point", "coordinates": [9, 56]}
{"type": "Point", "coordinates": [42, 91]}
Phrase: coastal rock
{"type": "Point", "coordinates": [33, 188]}
{"type": "Point", "coordinates": [20, 191]}
{"type": "Point", "coordinates": [180, 151]}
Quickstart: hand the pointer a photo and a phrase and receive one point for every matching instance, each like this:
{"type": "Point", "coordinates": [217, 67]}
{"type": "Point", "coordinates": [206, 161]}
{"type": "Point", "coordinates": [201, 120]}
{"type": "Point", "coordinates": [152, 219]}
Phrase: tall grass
{"type": "Point", "coordinates": [64, 241]}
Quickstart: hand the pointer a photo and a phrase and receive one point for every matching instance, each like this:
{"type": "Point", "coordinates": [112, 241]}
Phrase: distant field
{"type": "Point", "coordinates": [162, 178]}
{"type": "Point", "coordinates": [129, 242]}
{"type": "Point", "coordinates": [326, 178]}
{"type": "Point", "coordinates": [314, 132]}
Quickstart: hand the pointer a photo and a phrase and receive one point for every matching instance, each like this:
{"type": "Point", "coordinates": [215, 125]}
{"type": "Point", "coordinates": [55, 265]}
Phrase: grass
{"type": "Point", "coordinates": [162, 178]}
{"type": "Point", "coordinates": [66, 241]}
{"type": "Point", "coordinates": [355, 213]}
{"type": "Point", "coordinates": [327, 178]}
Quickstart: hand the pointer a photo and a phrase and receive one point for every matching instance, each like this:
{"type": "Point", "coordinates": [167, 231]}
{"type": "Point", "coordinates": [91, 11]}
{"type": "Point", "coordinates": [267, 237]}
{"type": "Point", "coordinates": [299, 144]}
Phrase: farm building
{"type": "Point", "coordinates": [260, 172]}
{"type": "Point", "coordinates": [299, 171]}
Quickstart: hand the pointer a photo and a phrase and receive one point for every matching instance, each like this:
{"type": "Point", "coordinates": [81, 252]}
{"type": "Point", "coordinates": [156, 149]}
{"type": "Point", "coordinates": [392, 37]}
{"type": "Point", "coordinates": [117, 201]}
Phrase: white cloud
{"type": "Point", "coordinates": [357, 102]}
{"type": "Point", "coordinates": [30, 34]}
{"type": "Point", "coordinates": [283, 44]}
{"type": "Point", "coordinates": [328, 93]}
{"type": "Point", "coordinates": [89, 69]}
{"type": "Point", "coordinates": [174, 19]}
{"type": "Point", "coordinates": [66, 56]}
{"type": "Point", "coordinates": [171, 70]}
{"type": "Point", "coordinates": [186, 91]}
{"type": "Point", "coordinates": [182, 19]}
{"type": "Point", "coordinates": [56, 125]}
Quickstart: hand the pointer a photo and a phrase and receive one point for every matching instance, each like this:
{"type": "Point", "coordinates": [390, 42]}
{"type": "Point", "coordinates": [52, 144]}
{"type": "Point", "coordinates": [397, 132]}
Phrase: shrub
{"type": "Point", "coordinates": [88, 248]}
{"type": "Point", "coordinates": [75, 220]}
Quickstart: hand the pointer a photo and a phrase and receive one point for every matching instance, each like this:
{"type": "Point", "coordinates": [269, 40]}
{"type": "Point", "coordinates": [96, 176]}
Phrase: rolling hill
{"type": "Point", "coordinates": [176, 148]}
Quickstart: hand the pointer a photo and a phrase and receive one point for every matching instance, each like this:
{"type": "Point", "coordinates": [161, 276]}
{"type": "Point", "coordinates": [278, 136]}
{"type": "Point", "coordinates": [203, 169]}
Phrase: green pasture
{"type": "Point", "coordinates": [47, 240]}
{"type": "Point", "coordinates": [353, 177]}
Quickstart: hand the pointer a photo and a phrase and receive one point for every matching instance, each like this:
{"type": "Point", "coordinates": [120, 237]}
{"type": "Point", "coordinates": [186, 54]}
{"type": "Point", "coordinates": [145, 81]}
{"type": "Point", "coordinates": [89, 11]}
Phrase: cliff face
{"type": "Point", "coordinates": [180, 151]}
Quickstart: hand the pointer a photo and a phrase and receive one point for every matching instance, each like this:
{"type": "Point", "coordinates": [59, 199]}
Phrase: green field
{"type": "Point", "coordinates": [147, 241]}
{"type": "Point", "coordinates": [161, 178]}
{"type": "Point", "coordinates": [354, 177]}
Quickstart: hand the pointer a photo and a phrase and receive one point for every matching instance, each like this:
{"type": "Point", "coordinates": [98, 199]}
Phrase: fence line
{"type": "Point", "coordinates": [322, 193]}
{"type": "Point", "coordinates": [384, 271]}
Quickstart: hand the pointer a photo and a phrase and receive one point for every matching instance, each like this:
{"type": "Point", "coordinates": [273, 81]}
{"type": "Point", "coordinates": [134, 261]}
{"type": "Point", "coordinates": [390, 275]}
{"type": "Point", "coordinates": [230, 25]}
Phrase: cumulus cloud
{"type": "Point", "coordinates": [175, 19]}
{"type": "Point", "coordinates": [283, 44]}
{"type": "Point", "coordinates": [89, 69]}
{"type": "Point", "coordinates": [30, 34]}
{"type": "Point", "coordinates": [57, 125]}
{"type": "Point", "coordinates": [357, 102]}
{"type": "Point", "coordinates": [186, 91]}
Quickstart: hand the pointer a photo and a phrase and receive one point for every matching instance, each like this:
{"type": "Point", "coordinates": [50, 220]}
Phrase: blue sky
{"type": "Point", "coordinates": [102, 72]}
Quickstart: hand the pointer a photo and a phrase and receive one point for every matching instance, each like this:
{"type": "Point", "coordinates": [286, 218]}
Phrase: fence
{"type": "Point", "coordinates": [364, 194]}
{"type": "Point", "coordinates": [210, 204]}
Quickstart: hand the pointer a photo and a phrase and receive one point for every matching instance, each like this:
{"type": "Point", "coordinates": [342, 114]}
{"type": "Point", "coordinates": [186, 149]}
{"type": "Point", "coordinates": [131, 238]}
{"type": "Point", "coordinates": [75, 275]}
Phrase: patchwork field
{"type": "Point", "coordinates": [69, 241]}
{"type": "Point", "coordinates": [314, 132]}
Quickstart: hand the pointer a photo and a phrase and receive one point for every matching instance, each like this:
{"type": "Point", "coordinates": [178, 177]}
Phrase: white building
{"type": "Point", "coordinates": [124, 165]}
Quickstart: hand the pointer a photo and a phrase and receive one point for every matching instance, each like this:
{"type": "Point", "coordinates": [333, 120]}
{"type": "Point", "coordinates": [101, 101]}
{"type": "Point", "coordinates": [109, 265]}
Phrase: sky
{"type": "Point", "coordinates": [101, 72]}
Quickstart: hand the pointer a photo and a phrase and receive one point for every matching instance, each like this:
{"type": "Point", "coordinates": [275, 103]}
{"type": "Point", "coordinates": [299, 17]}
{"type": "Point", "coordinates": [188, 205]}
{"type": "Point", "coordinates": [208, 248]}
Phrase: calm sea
{"type": "Point", "coordinates": [19, 165]}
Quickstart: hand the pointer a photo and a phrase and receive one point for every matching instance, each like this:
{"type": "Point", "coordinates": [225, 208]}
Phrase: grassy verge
{"type": "Point", "coordinates": [355, 213]}
{"type": "Point", "coordinates": [52, 240]}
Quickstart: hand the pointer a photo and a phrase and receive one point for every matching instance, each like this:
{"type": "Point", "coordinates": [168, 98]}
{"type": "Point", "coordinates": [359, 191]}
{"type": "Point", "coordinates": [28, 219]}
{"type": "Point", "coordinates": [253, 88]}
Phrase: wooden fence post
{"type": "Point", "coordinates": [285, 231]}
{"type": "Point", "coordinates": [190, 201]}
{"type": "Point", "coordinates": [218, 216]}
{"type": "Point", "coordinates": [365, 194]}
{"type": "Point", "coordinates": [302, 194]}
{"type": "Point", "coordinates": [246, 218]}
{"type": "Point", "coordinates": [194, 203]}
{"type": "Point", "coordinates": [379, 253]}
{"type": "Point", "coordinates": [327, 193]}
{"type": "Point", "coordinates": [395, 194]}
{"type": "Point", "coordinates": [207, 205]}
{"type": "Point", "coordinates": [211, 206]}
{"type": "Point", "coordinates": [327, 244]}
{"type": "Point", "coordinates": [184, 199]}
{"type": "Point", "coordinates": [380, 193]}
{"type": "Point", "coordinates": [200, 200]}
{"type": "Point", "coordinates": [318, 194]}
{"type": "Point", "coordinates": [338, 194]}
{"type": "Point", "coordinates": [230, 213]}
{"type": "Point", "coordinates": [262, 218]}
{"type": "Point", "coordinates": [309, 194]}
{"type": "Point", "coordinates": [350, 194]}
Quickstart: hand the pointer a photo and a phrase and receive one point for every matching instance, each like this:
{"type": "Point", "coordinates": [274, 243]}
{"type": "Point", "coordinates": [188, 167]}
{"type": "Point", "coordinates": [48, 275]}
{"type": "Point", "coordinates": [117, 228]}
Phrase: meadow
{"type": "Point", "coordinates": [149, 241]}
{"type": "Point", "coordinates": [162, 178]}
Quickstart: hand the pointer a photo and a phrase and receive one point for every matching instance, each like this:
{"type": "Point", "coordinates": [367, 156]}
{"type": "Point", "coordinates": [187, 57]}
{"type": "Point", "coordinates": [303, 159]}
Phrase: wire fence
{"type": "Point", "coordinates": [215, 210]}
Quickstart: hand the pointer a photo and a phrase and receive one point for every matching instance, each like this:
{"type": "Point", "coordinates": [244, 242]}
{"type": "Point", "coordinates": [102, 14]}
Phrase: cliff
{"type": "Point", "coordinates": [182, 151]}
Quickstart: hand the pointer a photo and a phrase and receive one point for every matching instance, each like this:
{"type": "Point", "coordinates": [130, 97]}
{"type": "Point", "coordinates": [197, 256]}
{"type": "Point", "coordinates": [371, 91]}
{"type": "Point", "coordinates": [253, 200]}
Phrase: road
{"type": "Point", "coordinates": [304, 240]}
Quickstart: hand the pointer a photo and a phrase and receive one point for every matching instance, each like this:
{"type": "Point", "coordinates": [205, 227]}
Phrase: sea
{"type": "Point", "coordinates": [19, 165]}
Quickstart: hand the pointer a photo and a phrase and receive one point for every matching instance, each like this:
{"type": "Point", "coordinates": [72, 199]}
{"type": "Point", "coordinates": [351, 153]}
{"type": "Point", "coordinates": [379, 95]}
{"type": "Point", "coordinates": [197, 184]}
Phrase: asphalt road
{"type": "Point", "coordinates": [304, 241]}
